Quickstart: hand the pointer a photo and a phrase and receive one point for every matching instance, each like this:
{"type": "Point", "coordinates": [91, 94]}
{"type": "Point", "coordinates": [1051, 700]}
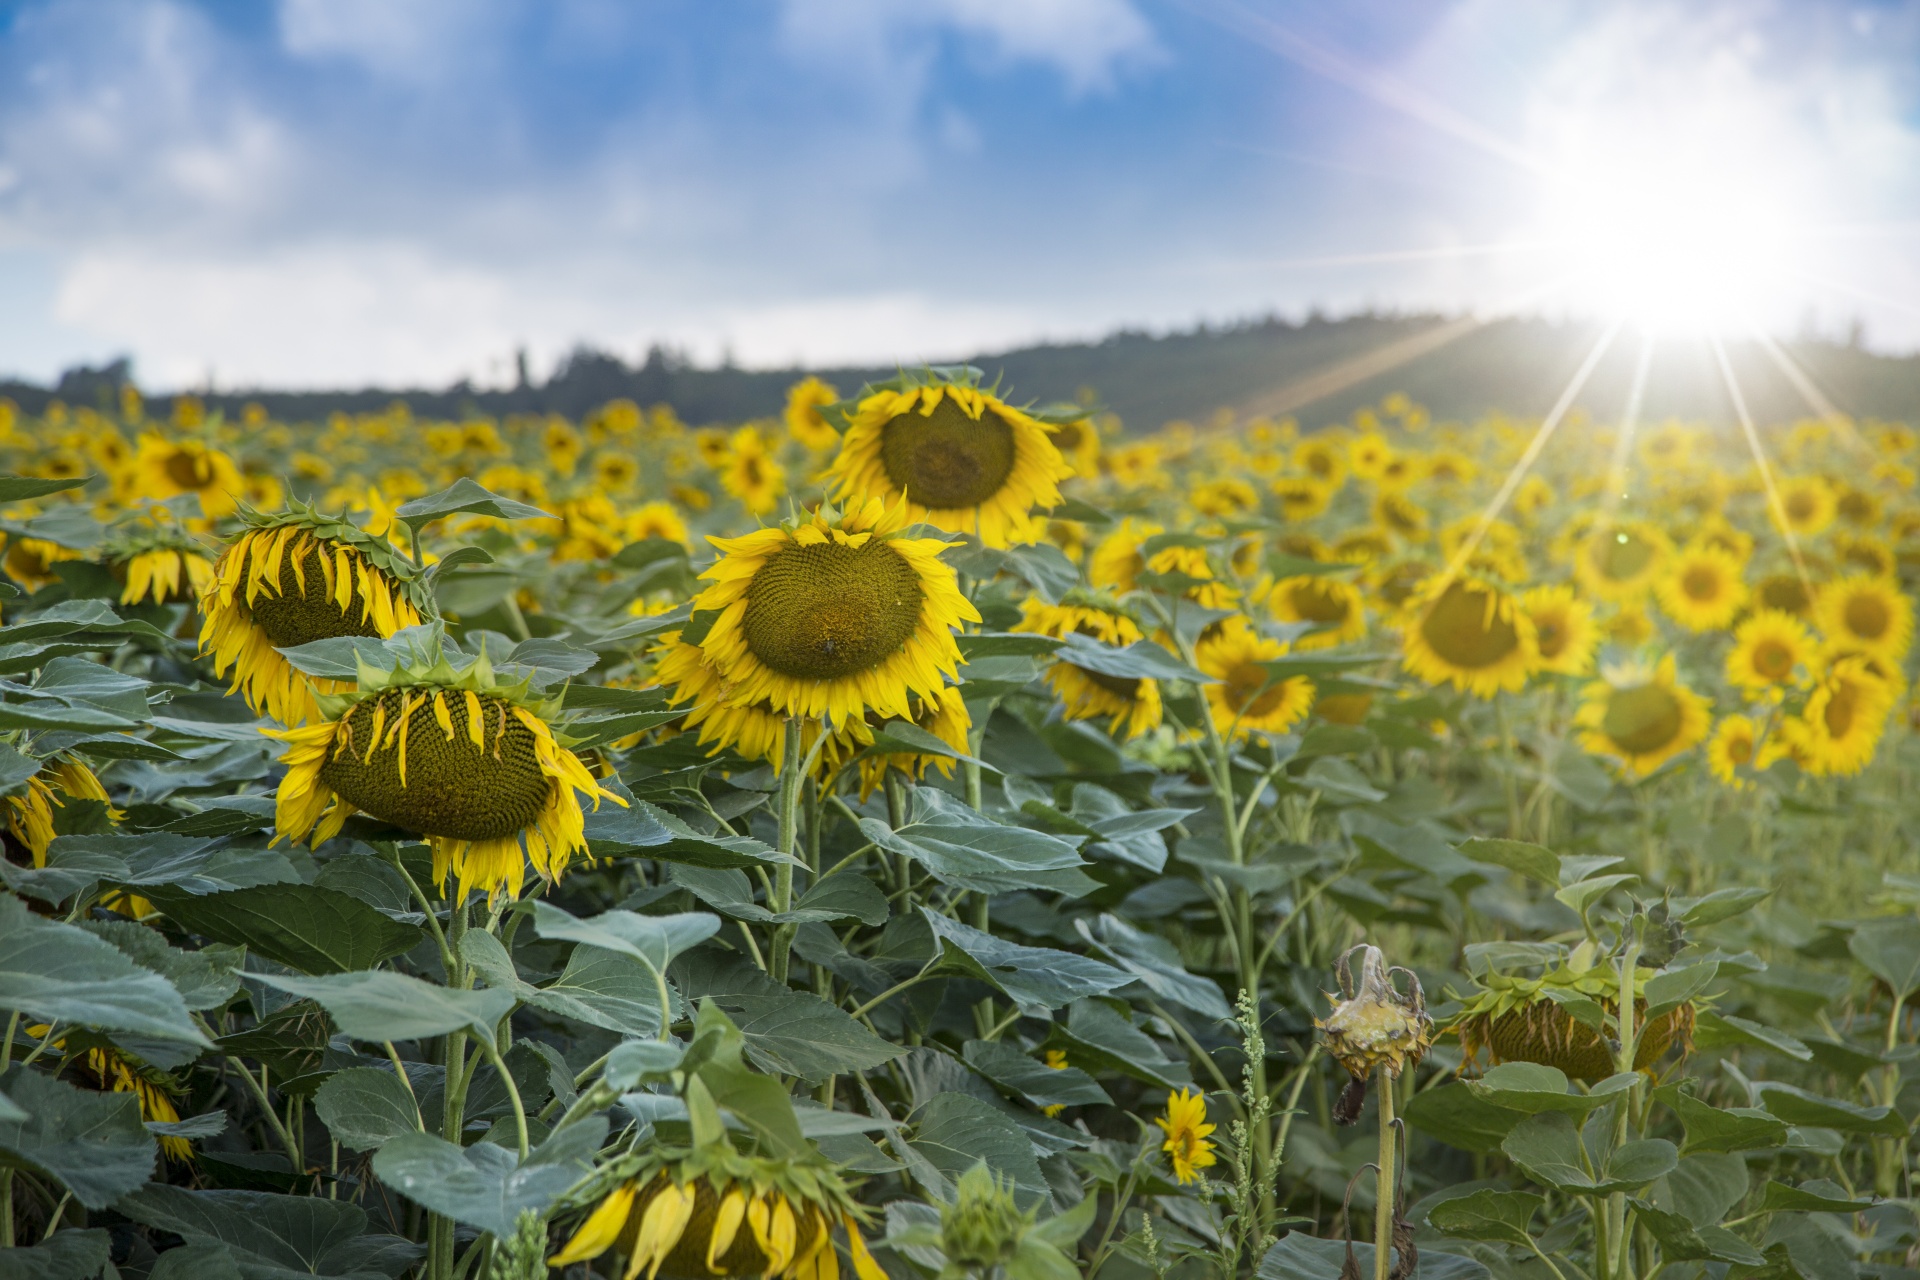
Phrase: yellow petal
{"type": "Point", "coordinates": [597, 1234]}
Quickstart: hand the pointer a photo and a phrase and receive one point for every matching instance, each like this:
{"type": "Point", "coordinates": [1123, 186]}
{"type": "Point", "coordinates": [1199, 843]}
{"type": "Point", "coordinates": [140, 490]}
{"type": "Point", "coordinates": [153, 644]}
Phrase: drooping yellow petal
{"type": "Point", "coordinates": [602, 1227]}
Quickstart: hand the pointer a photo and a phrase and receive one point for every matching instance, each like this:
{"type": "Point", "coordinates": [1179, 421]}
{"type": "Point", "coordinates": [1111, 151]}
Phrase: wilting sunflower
{"type": "Point", "coordinates": [834, 615]}
{"type": "Point", "coordinates": [805, 423]}
{"type": "Point", "coordinates": [1839, 730]}
{"type": "Point", "coordinates": [1771, 651]}
{"type": "Point", "coordinates": [1620, 562]}
{"type": "Point", "coordinates": [30, 815]}
{"type": "Point", "coordinates": [1131, 705]}
{"type": "Point", "coordinates": [959, 456]}
{"type": "Point", "coordinates": [1563, 628]}
{"type": "Point", "coordinates": [1246, 696]}
{"type": "Point", "coordinates": [1517, 1019]}
{"type": "Point", "coordinates": [168, 468]}
{"type": "Point", "coordinates": [162, 565]}
{"type": "Point", "coordinates": [1334, 605]}
{"type": "Point", "coordinates": [1644, 717]}
{"type": "Point", "coordinates": [1301, 497]}
{"type": "Point", "coordinates": [1469, 633]}
{"type": "Point", "coordinates": [1867, 614]}
{"type": "Point", "coordinates": [30, 561]}
{"type": "Point", "coordinates": [1374, 1024]}
{"type": "Point", "coordinates": [1187, 1149]}
{"type": "Point", "coordinates": [292, 578]}
{"type": "Point", "coordinates": [1701, 588]}
{"type": "Point", "coordinates": [1809, 504]}
{"type": "Point", "coordinates": [709, 1211]}
{"type": "Point", "coordinates": [469, 762]}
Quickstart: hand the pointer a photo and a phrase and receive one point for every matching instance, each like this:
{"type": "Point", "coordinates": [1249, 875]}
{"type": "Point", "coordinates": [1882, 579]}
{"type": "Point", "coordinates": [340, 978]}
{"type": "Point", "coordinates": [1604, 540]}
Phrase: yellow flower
{"type": "Point", "coordinates": [1246, 696]}
{"type": "Point", "coordinates": [1784, 592]}
{"type": "Point", "coordinates": [1865, 613]}
{"type": "Point", "coordinates": [1224, 497]}
{"type": "Point", "coordinates": [1563, 628]}
{"type": "Point", "coordinates": [804, 420]}
{"type": "Point", "coordinates": [1642, 717]}
{"type": "Point", "coordinates": [168, 468]}
{"type": "Point", "coordinates": [1771, 650]}
{"type": "Point", "coordinates": [1397, 512]}
{"type": "Point", "coordinates": [1732, 745]}
{"type": "Point", "coordinates": [1334, 605]}
{"type": "Point", "coordinates": [945, 717]}
{"type": "Point", "coordinates": [1701, 588]}
{"type": "Point", "coordinates": [961, 458]}
{"type": "Point", "coordinates": [1472, 635]}
{"type": "Point", "coordinates": [1136, 466]}
{"type": "Point", "coordinates": [751, 474]}
{"type": "Point", "coordinates": [1620, 562]}
{"type": "Point", "coordinates": [30, 814]}
{"type": "Point", "coordinates": [1369, 456]}
{"type": "Point", "coordinates": [1840, 728]}
{"type": "Point", "coordinates": [1809, 504]}
{"type": "Point", "coordinates": [655, 520]}
{"type": "Point", "coordinates": [753, 731]}
{"type": "Point", "coordinates": [1186, 1127]}
{"type": "Point", "coordinates": [1078, 442]}
{"type": "Point", "coordinates": [1117, 563]}
{"type": "Point", "coordinates": [1321, 458]}
{"type": "Point", "coordinates": [834, 617]}
{"type": "Point", "coordinates": [1301, 497]}
{"type": "Point", "coordinates": [1131, 705]}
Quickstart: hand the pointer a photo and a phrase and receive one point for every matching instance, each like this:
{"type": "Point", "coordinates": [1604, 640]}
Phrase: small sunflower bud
{"type": "Point", "coordinates": [1373, 1024]}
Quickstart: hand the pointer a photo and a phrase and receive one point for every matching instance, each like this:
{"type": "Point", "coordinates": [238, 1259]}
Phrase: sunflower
{"type": "Point", "coordinates": [1224, 497]}
{"type": "Point", "coordinates": [1370, 455]}
{"type": "Point", "coordinates": [1321, 459]}
{"type": "Point", "coordinates": [1186, 1127]}
{"type": "Point", "coordinates": [1374, 1024]}
{"type": "Point", "coordinates": [1469, 633]}
{"type": "Point", "coordinates": [1866, 613]}
{"type": "Point", "coordinates": [1785, 593]}
{"type": "Point", "coordinates": [1735, 541]}
{"type": "Point", "coordinates": [1532, 498]}
{"type": "Point", "coordinates": [1362, 546]}
{"type": "Point", "coordinates": [1642, 717]}
{"type": "Point", "coordinates": [1078, 440]}
{"type": "Point", "coordinates": [1619, 562]}
{"type": "Point", "coordinates": [1733, 745]}
{"type": "Point", "coordinates": [1867, 554]}
{"type": "Point", "coordinates": [168, 468]}
{"type": "Point", "coordinates": [1808, 503]}
{"type": "Point", "coordinates": [753, 731]}
{"type": "Point", "coordinates": [1701, 588]}
{"type": "Point", "coordinates": [1132, 705]}
{"type": "Point", "coordinates": [1245, 695]}
{"type": "Point", "coordinates": [1839, 730]}
{"type": "Point", "coordinates": [834, 615]}
{"type": "Point", "coordinates": [1397, 512]}
{"type": "Point", "coordinates": [468, 762]}
{"type": "Point", "coordinates": [945, 717]}
{"type": "Point", "coordinates": [960, 457]}
{"type": "Point", "coordinates": [30, 561]}
{"type": "Point", "coordinates": [1564, 628]}
{"type": "Point", "coordinates": [30, 814]}
{"type": "Point", "coordinates": [1518, 1019]}
{"type": "Point", "coordinates": [1136, 466]}
{"type": "Point", "coordinates": [1336, 607]}
{"type": "Point", "coordinates": [163, 568]}
{"type": "Point", "coordinates": [1771, 650]}
{"type": "Point", "coordinates": [751, 474]}
{"type": "Point", "coordinates": [110, 1068]}
{"type": "Point", "coordinates": [293, 578]}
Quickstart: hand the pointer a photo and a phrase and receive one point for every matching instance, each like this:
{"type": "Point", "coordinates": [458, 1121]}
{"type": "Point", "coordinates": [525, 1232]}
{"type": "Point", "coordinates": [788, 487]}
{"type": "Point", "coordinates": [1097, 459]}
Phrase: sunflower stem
{"type": "Point", "coordinates": [6, 1208]}
{"type": "Point", "coordinates": [1384, 1206]}
{"type": "Point", "coordinates": [513, 1094]}
{"type": "Point", "coordinates": [793, 767]}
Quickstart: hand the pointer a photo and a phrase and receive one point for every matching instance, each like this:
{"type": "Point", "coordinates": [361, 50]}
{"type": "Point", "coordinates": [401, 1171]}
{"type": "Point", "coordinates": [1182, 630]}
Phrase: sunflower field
{"type": "Point", "coordinates": [931, 836]}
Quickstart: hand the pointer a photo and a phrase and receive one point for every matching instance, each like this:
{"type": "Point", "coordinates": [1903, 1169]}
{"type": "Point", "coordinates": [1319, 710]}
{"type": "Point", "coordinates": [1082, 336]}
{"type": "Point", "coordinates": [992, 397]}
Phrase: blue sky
{"type": "Point", "coordinates": [327, 192]}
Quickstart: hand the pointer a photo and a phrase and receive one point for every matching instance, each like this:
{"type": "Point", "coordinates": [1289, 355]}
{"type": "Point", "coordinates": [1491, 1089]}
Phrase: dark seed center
{"type": "Point", "coordinates": [947, 459]}
{"type": "Point", "coordinates": [824, 611]}
{"type": "Point", "coordinates": [296, 617]}
{"type": "Point", "coordinates": [1642, 719]}
{"type": "Point", "coordinates": [1459, 629]}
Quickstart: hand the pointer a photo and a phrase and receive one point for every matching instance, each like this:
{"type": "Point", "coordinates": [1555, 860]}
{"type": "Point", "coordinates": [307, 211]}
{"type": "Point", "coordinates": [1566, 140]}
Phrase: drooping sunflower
{"type": "Point", "coordinates": [109, 1068]}
{"type": "Point", "coordinates": [161, 565]}
{"type": "Point", "coordinates": [753, 731]}
{"type": "Point", "coordinates": [805, 423]}
{"type": "Point", "coordinates": [1563, 628]}
{"type": "Point", "coordinates": [1840, 728]}
{"type": "Point", "coordinates": [1335, 605]}
{"type": "Point", "coordinates": [1809, 504]}
{"type": "Point", "coordinates": [1619, 562]}
{"type": "Point", "coordinates": [30, 561]}
{"type": "Point", "coordinates": [292, 578]}
{"type": "Point", "coordinates": [1701, 588]}
{"type": "Point", "coordinates": [1131, 705]}
{"type": "Point", "coordinates": [1642, 716]}
{"type": "Point", "coordinates": [960, 457]}
{"type": "Point", "coordinates": [1515, 1019]}
{"type": "Point", "coordinates": [1865, 613]}
{"type": "Point", "coordinates": [1186, 1146]}
{"type": "Point", "coordinates": [469, 762]}
{"type": "Point", "coordinates": [1469, 633]}
{"type": "Point", "coordinates": [834, 615]}
{"type": "Point", "coordinates": [944, 716]}
{"type": "Point", "coordinates": [166, 468]}
{"type": "Point", "coordinates": [30, 814]}
{"type": "Point", "coordinates": [1116, 563]}
{"type": "Point", "coordinates": [1246, 696]}
{"type": "Point", "coordinates": [1771, 651]}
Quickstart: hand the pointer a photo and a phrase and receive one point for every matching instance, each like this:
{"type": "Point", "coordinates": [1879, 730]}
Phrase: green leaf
{"type": "Point", "coordinates": [1727, 1129]}
{"type": "Point", "coordinates": [1890, 949]}
{"type": "Point", "coordinates": [1704, 1188]}
{"type": "Point", "coordinates": [275, 1237]}
{"type": "Point", "coordinates": [954, 1132]}
{"type": "Point", "coordinates": [196, 1262]}
{"type": "Point", "coordinates": [1301, 1256]}
{"type": "Point", "coordinates": [612, 831]}
{"type": "Point", "coordinates": [92, 1143]}
{"type": "Point", "coordinates": [970, 851]}
{"type": "Point", "coordinates": [1141, 660]}
{"type": "Point", "coordinates": [652, 940]}
{"type": "Point", "coordinates": [1532, 860]}
{"type": "Point", "coordinates": [1099, 1039]}
{"type": "Point", "coordinates": [464, 497]}
{"type": "Point", "coordinates": [1667, 991]}
{"type": "Point", "coordinates": [483, 1185]}
{"type": "Point", "coordinates": [1031, 1079]}
{"type": "Point", "coordinates": [366, 1107]}
{"type": "Point", "coordinates": [784, 1031]}
{"type": "Point", "coordinates": [383, 1005]}
{"type": "Point", "coordinates": [1532, 1089]}
{"type": "Point", "coordinates": [1809, 1110]}
{"type": "Point", "coordinates": [205, 979]}
{"type": "Point", "coordinates": [1722, 1030]}
{"type": "Point", "coordinates": [1155, 964]}
{"type": "Point", "coordinates": [303, 926]}
{"type": "Point", "coordinates": [1722, 904]}
{"type": "Point", "coordinates": [59, 973]}
{"type": "Point", "coordinates": [21, 488]}
{"type": "Point", "coordinates": [64, 1255]}
{"type": "Point", "coordinates": [1006, 644]}
{"type": "Point", "coordinates": [1412, 846]}
{"type": "Point", "coordinates": [1455, 1115]}
{"type": "Point", "coordinates": [1681, 1240]}
{"type": "Point", "coordinates": [1637, 1163]}
{"type": "Point", "coordinates": [1584, 893]}
{"type": "Point", "coordinates": [1815, 1196]}
{"type": "Point", "coordinates": [731, 894]}
{"type": "Point", "coordinates": [1500, 1217]}
{"type": "Point", "coordinates": [1037, 979]}
{"type": "Point", "coordinates": [602, 989]}
{"type": "Point", "coordinates": [1548, 1147]}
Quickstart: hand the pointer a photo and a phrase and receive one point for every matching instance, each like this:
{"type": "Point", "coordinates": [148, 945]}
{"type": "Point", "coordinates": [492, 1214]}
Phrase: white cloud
{"type": "Point", "coordinates": [401, 39]}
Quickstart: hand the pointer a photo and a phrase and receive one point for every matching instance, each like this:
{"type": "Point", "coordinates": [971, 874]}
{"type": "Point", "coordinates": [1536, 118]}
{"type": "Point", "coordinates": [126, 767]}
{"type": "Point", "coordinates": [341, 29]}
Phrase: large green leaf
{"type": "Point", "coordinates": [1530, 1087]}
{"type": "Point", "coordinates": [464, 497]}
{"type": "Point", "coordinates": [383, 1005]}
{"type": "Point", "coordinates": [1029, 1078]}
{"type": "Point", "coordinates": [1548, 1147]}
{"type": "Point", "coordinates": [484, 1185]}
{"type": "Point", "coordinates": [954, 1132]}
{"type": "Point", "coordinates": [1501, 1217]}
{"type": "Point", "coordinates": [1712, 1128]}
{"type": "Point", "coordinates": [59, 973]}
{"type": "Point", "coordinates": [303, 926]}
{"type": "Point", "coordinates": [1101, 1040]}
{"type": "Point", "coordinates": [786, 1031]}
{"type": "Point", "coordinates": [21, 488]}
{"type": "Point", "coordinates": [65, 1255]}
{"type": "Point", "coordinates": [1798, 1106]}
{"type": "Point", "coordinates": [92, 1143]}
{"type": "Point", "coordinates": [1037, 979]}
{"type": "Point", "coordinates": [652, 940]}
{"type": "Point", "coordinates": [970, 851]}
{"type": "Point", "coordinates": [366, 1107]}
{"type": "Point", "coordinates": [1457, 1116]}
{"type": "Point", "coordinates": [1890, 949]}
{"type": "Point", "coordinates": [275, 1237]}
{"type": "Point", "coordinates": [205, 979]}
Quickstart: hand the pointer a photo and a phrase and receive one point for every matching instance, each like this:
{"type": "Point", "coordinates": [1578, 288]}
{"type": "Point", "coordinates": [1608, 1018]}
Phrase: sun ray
{"type": "Point", "coordinates": [1775, 507]}
{"type": "Point", "coordinates": [1811, 393]}
{"type": "Point", "coordinates": [1629, 426]}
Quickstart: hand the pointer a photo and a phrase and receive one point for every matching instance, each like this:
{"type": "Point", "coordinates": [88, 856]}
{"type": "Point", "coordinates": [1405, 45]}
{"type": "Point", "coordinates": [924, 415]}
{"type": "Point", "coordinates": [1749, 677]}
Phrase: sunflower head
{"type": "Point", "coordinates": [1701, 588]}
{"type": "Point", "coordinates": [1619, 562]}
{"type": "Point", "coordinates": [1771, 651]}
{"type": "Point", "coordinates": [1187, 1147]}
{"type": "Point", "coordinates": [166, 468]}
{"type": "Point", "coordinates": [1333, 605]}
{"type": "Point", "coordinates": [1470, 633]}
{"type": "Point", "coordinates": [1245, 696]}
{"type": "Point", "coordinates": [1131, 704]}
{"type": "Point", "coordinates": [960, 457]}
{"type": "Point", "coordinates": [804, 416]}
{"type": "Point", "coordinates": [160, 564]}
{"type": "Point", "coordinates": [1375, 1023]}
{"type": "Point", "coordinates": [1641, 716]}
{"type": "Point", "coordinates": [1514, 1018]}
{"type": "Point", "coordinates": [1866, 613]}
{"type": "Point", "coordinates": [1838, 731]}
{"type": "Point", "coordinates": [1563, 628]}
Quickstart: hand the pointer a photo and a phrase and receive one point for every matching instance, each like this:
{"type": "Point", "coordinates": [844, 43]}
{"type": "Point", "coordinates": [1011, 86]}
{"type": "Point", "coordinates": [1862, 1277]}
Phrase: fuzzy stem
{"type": "Point", "coordinates": [793, 767]}
{"type": "Point", "coordinates": [1383, 1209]}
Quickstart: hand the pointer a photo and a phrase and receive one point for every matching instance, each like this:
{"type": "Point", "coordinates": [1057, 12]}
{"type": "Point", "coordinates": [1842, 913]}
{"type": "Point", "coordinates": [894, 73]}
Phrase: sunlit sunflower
{"type": "Point", "coordinates": [1395, 584]}
{"type": "Point", "coordinates": [805, 423]}
{"type": "Point", "coordinates": [751, 474]}
{"type": "Point", "coordinates": [834, 615]}
{"type": "Point", "coordinates": [962, 458]}
{"type": "Point", "coordinates": [460, 757]}
{"type": "Point", "coordinates": [1130, 705]}
{"type": "Point", "coordinates": [1701, 588]}
{"type": "Point", "coordinates": [1809, 504]}
{"type": "Point", "coordinates": [1301, 497]}
{"type": "Point", "coordinates": [1732, 746]}
{"type": "Point", "coordinates": [753, 731]}
{"type": "Point", "coordinates": [1324, 460]}
{"type": "Point", "coordinates": [1533, 498]}
{"type": "Point", "coordinates": [1070, 536]}
{"type": "Point", "coordinates": [1865, 613]}
{"type": "Point", "coordinates": [1404, 517]}
{"type": "Point", "coordinates": [1564, 628]}
{"type": "Point", "coordinates": [1185, 1124]}
{"type": "Point", "coordinates": [1370, 455]}
{"type": "Point", "coordinates": [1136, 466]}
{"type": "Point", "coordinates": [1469, 633]}
{"type": "Point", "coordinates": [654, 520]}
{"type": "Point", "coordinates": [166, 468]}
{"type": "Point", "coordinates": [1668, 447]}
{"type": "Point", "coordinates": [1078, 441]}
{"type": "Point", "coordinates": [1784, 592]}
{"type": "Point", "coordinates": [1732, 539]}
{"type": "Point", "coordinates": [293, 578]}
{"type": "Point", "coordinates": [945, 717]}
{"type": "Point", "coordinates": [1334, 605]}
{"type": "Point", "coordinates": [1771, 652]}
{"type": "Point", "coordinates": [1246, 696]}
{"type": "Point", "coordinates": [30, 814]}
{"type": "Point", "coordinates": [1620, 562]}
{"type": "Point", "coordinates": [1224, 496]}
{"type": "Point", "coordinates": [1643, 717]}
{"type": "Point", "coordinates": [1839, 730]}
{"type": "Point", "coordinates": [1866, 553]}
